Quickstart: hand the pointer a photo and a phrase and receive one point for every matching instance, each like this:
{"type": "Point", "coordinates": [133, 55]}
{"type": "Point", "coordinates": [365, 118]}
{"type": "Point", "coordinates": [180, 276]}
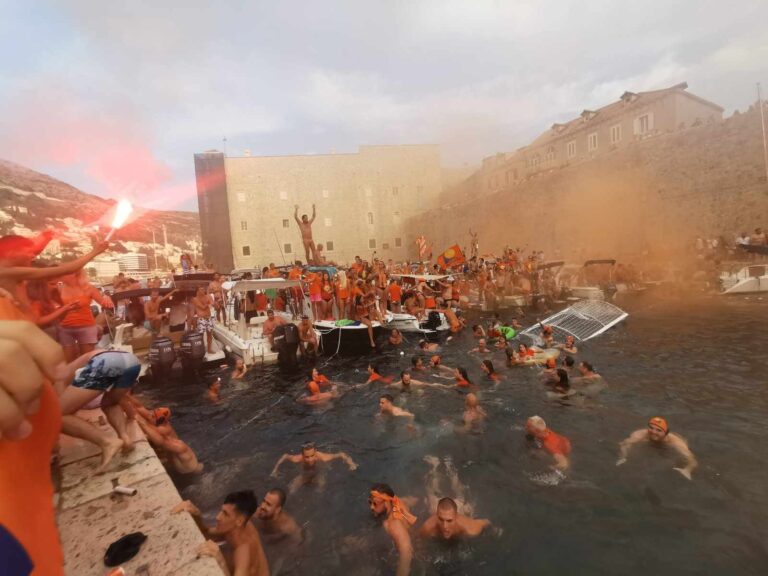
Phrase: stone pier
{"type": "Point", "coordinates": [91, 516]}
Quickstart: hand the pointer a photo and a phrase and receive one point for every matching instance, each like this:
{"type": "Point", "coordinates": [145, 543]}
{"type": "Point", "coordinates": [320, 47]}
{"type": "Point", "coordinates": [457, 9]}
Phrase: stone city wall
{"type": "Point", "coordinates": [653, 197]}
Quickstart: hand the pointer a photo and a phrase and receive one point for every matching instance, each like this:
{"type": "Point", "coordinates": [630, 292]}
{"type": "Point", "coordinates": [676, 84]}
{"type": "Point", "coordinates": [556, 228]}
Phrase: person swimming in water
{"type": "Point", "coordinates": [406, 383]}
{"type": "Point", "coordinates": [213, 391]}
{"type": "Point", "coordinates": [374, 376]}
{"type": "Point", "coordinates": [487, 367]}
{"type": "Point", "coordinates": [309, 459]}
{"type": "Point", "coordinates": [481, 348]}
{"type": "Point", "coordinates": [548, 376]}
{"type": "Point", "coordinates": [462, 378]}
{"type": "Point", "coordinates": [395, 337]}
{"type": "Point", "coordinates": [397, 521]}
{"type": "Point", "coordinates": [559, 447]}
{"type": "Point", "coordinates": [315, 396]}
{"type": "Point", "coordinates": [569, 347]}
{"type": "Point", "coordinates": [474, 416]}
{"type": "Point", "coordinates": [417, 364]}
{"type": "Point", "coordinates": [240, 369]}
{"type": "Point", "coordinates": [387, 407]}
{"type": "Point", "coordinates": [657, 434]}
{"type": "Point", "coordinates": [447, 524]}
{"type": "Point", "coordinates": [428, 346]}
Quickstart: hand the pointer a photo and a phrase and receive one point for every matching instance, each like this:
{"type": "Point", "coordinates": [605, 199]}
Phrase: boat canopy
{"type": "Point", "coordinates": [584, 320]}
{"type": "Point", "coordinates": [424, 277]}
{"type": "Point", "coordinates": [754, 248]}
{"type": "Point", "coordinates": [265, 284]}
{"type": "Point", "coordinates": [606, 261]}
{"type": "Point", "coordinates": [553, 264]}
{"type": "Point", "coordinates": [192, 281]}
{"type": "Point", "coordinates": [137, 293]}
{"type": "Point", "coordinates": [331, 270]}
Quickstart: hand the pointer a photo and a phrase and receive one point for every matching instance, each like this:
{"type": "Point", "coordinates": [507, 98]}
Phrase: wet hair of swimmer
{"type": "Point", "coordinates": [280, 493]}
{"type": "Point", "coordinates": [245, 502]}
{"type": "Point", "coordinates": [463, 372]}
{"type": "Point", "coordinates": [374, 367]}
{"type": "Point", "coordinates": [388, 397]}
{"type": "Point", "coordinates": [422, 344]}
{"type": "Point", "coordinates": [569, 361]}
{"type": "Point", "coordinates": [447, 504]}
{"type": "Point", "coordinates": [383, 489]}
{"type": "Point", "coordinates": [488, 364]}
{"type": "Point", "coordinates": [588, 366]}
{"type": "Point", "coordinates": [563, 377]}
{"type": "Point", "coordinates": [415, 360]}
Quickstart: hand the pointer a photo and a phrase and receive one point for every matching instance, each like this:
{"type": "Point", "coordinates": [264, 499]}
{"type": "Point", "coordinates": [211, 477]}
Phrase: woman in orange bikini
{"type": "Point", "coordinates": [342, 293]}
{"type": "Point", "coordinates": [327, 296]}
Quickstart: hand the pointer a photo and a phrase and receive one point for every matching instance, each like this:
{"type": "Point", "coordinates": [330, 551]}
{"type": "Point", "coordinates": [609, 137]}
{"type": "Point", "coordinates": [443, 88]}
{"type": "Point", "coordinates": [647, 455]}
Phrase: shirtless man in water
{"type": "Point", "coordinates": [657, 434]}
{"type": "Point", "coordinates": [202, 306]}
{"type": "Point", "coordinates": [474, 415]}
{"type": "Point", "coordinates": [309, 459]}
{"type": "Point", "coordinates": [447, 524]}
{"type": "Point", "coordinates": [397, 521]}
{"type": "Point", "coordinates": [305, 225]}
{"type": "Point", "coordinates": [233, 526]}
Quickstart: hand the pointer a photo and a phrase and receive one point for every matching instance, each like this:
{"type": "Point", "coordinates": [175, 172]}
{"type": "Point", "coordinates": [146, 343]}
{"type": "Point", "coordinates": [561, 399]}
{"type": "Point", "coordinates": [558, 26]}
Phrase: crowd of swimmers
{"type": "Point", "coordinates": [43, 384]}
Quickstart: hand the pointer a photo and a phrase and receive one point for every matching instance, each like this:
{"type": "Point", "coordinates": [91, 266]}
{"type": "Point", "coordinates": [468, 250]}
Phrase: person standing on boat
{"type": "Point", "coordinates": [307, 337]}
{"type": "Point", "coordinates": [305, 226]}
{"type": "Point", "coordinates": [202, 303]}
{"type": "Point", "coordinates": [268, 328]}
{"type": "Point", "coordinates": [219, 303]}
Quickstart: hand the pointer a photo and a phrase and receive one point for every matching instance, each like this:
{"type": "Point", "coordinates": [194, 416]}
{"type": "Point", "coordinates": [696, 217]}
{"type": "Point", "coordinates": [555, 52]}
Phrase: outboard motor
{"type": "Point", "coordinates": [286, 339]}
{"type": "Point", "coordinates": [433, 321]}
{"type": "Point", "coordinates": [192, 350]}
{"type": "Point", "coordinates": [161, 357]}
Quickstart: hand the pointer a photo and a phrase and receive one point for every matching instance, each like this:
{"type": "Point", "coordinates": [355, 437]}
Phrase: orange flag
{"type": "Point", "coordinates": [451, 258]}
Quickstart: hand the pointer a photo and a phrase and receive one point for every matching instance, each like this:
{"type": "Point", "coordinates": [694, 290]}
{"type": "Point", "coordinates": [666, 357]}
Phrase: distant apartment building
{"type": "Point", "coordinates": [104, 269]}
{"type": "Point", "coordinates": [247, 203]}
{"type": "Point", "coordinates": [633, 117]}
{"type": "Point", "coordinates": [133, 262]}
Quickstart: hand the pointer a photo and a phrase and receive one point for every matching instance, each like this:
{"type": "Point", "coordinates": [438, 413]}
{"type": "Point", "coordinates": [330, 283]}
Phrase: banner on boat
{"type": "Point", "coordinates": [452, 257]}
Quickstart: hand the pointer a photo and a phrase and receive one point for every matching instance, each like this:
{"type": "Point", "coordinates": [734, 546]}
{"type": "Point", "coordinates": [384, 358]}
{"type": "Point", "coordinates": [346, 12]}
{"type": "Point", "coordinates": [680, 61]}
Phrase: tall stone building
{"type": "Point", "coordinates": [247, 203]}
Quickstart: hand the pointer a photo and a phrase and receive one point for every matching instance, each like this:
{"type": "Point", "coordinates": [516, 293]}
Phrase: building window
{"type": "Point", "coordinates": [287, 248]}
{"type": "Point", "coordinates": [326, 194]}
{"type": "Point", "coordinates": [398, 242]}
{"type": "Point", "coordinates": [550, 154]}
{"type": "Point", "coordinates": [395, 191]}
{"type": "Point", "coordinates": [243, 225]}
{"type": "Point", "coordinates": [329, 246]}
{"type": "Point", "coordinates": [370, 217]}
{"type": "Point", "coordinates": [592, 142]}
{"type": "Point", "coordinates": [644, 124]}
{"type": "Point", "coordinates": [286, 223]}
{"type": "Point", "coordinates": [571, 147]}
{"type": "Point", "coordinates": [246, 250]}
{"type": "Point", "coordinates": [371, 243]}
{"type": "Point", "coordinates": [283, 195]}
{"type": "Point", "coordinates": [616, 134]}
{"type": "Point", "coordinates": [327, 222]}
{"type": "Point", "coordinates": [241, 197]}
{"type": "Point", "coordinates": [385, 246]}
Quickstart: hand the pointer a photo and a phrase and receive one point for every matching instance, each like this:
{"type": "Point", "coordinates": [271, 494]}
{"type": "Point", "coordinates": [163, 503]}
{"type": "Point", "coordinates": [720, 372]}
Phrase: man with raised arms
{"type": "Point", "coordinates": [309, 459]}
{"type": "Point", "coordinates": [305, 225]}
{"type": "Point", "coordinates": [657, 434]}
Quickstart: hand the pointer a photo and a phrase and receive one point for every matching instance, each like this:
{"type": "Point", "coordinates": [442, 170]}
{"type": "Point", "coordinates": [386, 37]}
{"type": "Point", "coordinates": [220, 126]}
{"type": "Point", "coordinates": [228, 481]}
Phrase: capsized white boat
{"type": "Point", "coordinates": [583, 320]}
{"type": "Point", "coordinates": [748, 280]}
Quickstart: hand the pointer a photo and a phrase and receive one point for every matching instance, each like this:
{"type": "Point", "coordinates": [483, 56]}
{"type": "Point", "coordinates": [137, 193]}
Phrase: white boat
{"type": "Point", "coordinates": [586, 283]}
{"type": "Point", "coordinates": [583, 320]}
{"type": "Point", "coordinates": [246, 339]}
{"type": "Point", "coordinates": [434, 322]}
{"type": "Point", "coordinates": [748, 280]}
{"type": "Point", "coordinates": [345, 336]}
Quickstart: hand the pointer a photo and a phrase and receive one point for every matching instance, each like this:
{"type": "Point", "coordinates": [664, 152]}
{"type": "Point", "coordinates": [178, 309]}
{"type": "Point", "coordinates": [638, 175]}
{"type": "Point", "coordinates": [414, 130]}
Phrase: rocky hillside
{"type": "Point", "coordinates": [31, 201]}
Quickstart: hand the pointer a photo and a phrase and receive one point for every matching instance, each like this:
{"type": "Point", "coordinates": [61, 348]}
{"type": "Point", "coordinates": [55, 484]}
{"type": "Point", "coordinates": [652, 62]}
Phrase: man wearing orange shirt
{"type": "Point", "coordinates": [395, 294]}
{"type": "Point", "coordinates": [555, 444]}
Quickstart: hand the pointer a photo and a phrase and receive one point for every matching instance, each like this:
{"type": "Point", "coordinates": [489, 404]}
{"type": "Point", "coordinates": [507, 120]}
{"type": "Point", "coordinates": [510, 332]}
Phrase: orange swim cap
{"type": "Point", "coordinates": [435, 360]}
{"type": "Point", "coordinates": [659, 422]}
{"type": "Point", "coordinates": [313, 388]}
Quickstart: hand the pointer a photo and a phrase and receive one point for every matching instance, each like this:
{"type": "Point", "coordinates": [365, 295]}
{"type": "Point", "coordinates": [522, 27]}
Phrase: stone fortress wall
{"type": "Point", "coordinates": [654, 196]}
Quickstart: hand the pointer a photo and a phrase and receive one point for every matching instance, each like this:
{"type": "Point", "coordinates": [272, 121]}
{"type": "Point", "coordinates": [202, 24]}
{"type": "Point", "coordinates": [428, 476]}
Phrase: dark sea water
{"type": "Point", "coordinates": [701, 363]}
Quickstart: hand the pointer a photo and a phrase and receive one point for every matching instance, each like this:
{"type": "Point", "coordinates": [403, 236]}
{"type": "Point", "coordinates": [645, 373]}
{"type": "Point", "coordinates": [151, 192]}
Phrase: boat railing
{"type": "Point", "coordinates": [584, 320]}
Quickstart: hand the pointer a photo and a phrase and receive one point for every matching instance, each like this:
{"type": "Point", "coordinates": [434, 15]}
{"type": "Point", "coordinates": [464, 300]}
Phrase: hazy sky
{"type": "Point", "coordinates": [116, 96]}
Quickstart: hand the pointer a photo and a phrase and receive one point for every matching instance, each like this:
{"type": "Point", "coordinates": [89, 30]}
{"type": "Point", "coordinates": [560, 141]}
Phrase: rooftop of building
{"type": "Point", "coordinates": [333, 153]}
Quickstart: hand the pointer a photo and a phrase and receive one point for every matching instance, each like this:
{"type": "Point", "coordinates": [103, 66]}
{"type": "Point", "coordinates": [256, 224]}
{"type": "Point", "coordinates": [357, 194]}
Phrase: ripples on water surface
{"type": "Point", "coordinates": [702, 364]}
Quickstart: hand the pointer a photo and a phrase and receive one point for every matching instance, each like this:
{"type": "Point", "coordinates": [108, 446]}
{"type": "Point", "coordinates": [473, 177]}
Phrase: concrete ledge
{"type": "Point", "coordinates": [91, 516]}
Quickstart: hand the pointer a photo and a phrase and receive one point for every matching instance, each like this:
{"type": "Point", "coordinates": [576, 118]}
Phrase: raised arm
{"type": "Point", "coordinates": [313, 214]}
{"type": "Point", "coordinates": [325, 457]}
{"type": "Point", "coordinates": [31, 273]}
{"type": "Point", "coordinates": [296, 214]}
{"type": "Point", "coordinates": [283, 458]}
